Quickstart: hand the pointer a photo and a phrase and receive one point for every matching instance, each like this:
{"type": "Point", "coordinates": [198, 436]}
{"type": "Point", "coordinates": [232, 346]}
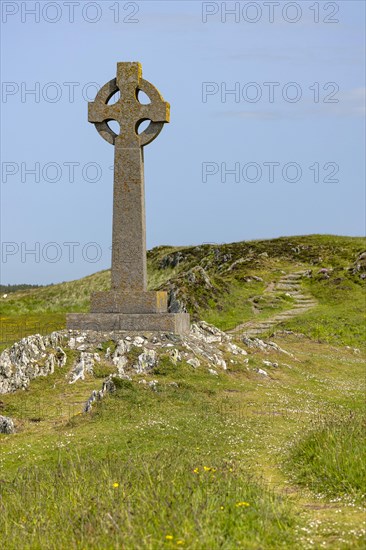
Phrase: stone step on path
{"type": "Point", "coordinates": [291, 284]}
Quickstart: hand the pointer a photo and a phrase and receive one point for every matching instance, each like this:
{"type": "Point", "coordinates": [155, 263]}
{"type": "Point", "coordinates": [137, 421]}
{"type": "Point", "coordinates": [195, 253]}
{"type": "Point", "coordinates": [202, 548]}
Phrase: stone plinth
{"type": "Point", "coordinates": [150, 322]}
{"type": "Point", "coordinates": [129, 302]}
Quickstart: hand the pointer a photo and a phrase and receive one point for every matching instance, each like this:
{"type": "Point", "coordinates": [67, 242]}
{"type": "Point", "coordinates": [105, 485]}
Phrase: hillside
{"type": "Point", "coordinates": [250, 438]}
{"type": "Point", "coordinates": [223, 284]}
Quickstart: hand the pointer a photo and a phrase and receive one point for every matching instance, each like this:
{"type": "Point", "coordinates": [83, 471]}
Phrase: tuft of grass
{"type": "Point", "coordinates": [111, 344]}
{"type": "Point", "coordinates": [167, 368]}
{"type": "Point", "coordinates": [331, 458]}
{"type": "Point", "coordinates": [235, 307]}
{"type": "Point", "coordinates": [102, 370]}
{"type": "Point", "coordinates": [123, 384]}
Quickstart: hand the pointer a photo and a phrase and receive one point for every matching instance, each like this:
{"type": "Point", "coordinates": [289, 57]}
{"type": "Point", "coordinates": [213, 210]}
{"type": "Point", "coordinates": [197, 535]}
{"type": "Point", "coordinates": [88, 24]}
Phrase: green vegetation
{"type": "Point", "coordinates": [340, 316]}
{"type": "Point", "coordinates": [240, 303]}
{"type": "Point", "coordinates": [196, 461]}
{"type": "Point", "coordinates": [6, 289]}
{"type": "Point", "coordinates": [138, 474]}
{"type": "Point", "coordinates": [225, 293]}
{"type": "Point", "coordinates": [331, 458]}
{"type": "Point", "coordinates": [14, 327]}
{"type": "Point", "coordinates": [184, 457]}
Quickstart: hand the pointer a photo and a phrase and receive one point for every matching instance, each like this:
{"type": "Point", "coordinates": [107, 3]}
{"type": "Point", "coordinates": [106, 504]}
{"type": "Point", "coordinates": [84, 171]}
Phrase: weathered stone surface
{"type": "Point", "coordinates": [129, 231]}
{"type": "Point", "coordinates": [359, 266]}
{"type": "Point", "coordinates": [129, 302]}
{"type": "Point", "coordinates": [30, 357]}
{"type": "Point", "coordinates": [146, 361]}
{"type": "Point", "coordinates": [6, 425]}
{"type": "Point", "coordinates": [127, 353]}
{"type": "Point", "coordinates": [262, 372]}
{"type": "Point", "coordinates": [129, 295]}
{"type": "Point", "coordinates": [83, 366]}
{"type": "Point", "coordinates": [172, 260]}
{"type": "Point", "coordinates": [194, 362]}
{"type": "Point", "coordinates": [161, 322]}
{"type": "Point", "coordinates": [192, 290]}
{"type": "Point", "coordinates": [108, 387]}
{"type": "Point", "coordinates": [264, 346]}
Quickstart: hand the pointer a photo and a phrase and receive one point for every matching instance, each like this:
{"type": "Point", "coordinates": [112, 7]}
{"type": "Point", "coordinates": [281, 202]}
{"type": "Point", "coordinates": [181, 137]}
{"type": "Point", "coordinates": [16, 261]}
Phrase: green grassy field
{"type": "Point", "coordinates": [232, 461]}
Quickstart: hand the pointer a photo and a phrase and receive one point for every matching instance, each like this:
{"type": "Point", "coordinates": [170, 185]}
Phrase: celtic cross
{"type": "Point", "coordinates": [129, 229]}
{"type": "Point", "coordinates": [128, 305]}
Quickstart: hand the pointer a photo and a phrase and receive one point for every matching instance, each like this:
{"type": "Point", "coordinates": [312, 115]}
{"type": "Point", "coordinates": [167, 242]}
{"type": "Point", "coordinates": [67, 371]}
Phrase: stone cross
{"type": "Point", "coordinates": [129, 233]}
{"type": "Point", "coordinates": [128, 305]}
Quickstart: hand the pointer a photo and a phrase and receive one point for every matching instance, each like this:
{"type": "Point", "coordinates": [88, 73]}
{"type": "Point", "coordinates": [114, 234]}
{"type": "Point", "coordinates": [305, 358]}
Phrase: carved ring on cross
{"type": "Point", "coordinates": [127, 110]}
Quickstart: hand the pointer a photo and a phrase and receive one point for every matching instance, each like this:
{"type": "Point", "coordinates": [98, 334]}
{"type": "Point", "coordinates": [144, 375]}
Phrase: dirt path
{"type": "Point", "coordinates": [291, 284]}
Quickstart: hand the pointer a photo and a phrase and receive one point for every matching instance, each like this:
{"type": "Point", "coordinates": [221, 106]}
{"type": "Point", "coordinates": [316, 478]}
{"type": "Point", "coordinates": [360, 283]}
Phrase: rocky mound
{"type": "Point", "coordinates": [126, 353]}
{"type": "Point", "coordinates": [117, 356]}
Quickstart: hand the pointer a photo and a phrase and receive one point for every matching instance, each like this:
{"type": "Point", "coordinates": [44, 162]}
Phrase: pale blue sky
{"type": "Point", "coordinates": [179, 53]}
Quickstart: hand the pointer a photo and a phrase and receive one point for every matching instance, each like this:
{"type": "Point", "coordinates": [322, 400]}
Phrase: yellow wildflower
{"type": "Point", "coordinates": [209, 469]}
{"type": "Point", "coordinates": [238, 504]}
{"type": "Point", "coordinates": [169, 537]}
{"type": "Point", "coordinates": [179, 542]}
{"type": "Point", "coordinates": [196, 470]}
{"type": "Point", "coordinates": [115, 485]}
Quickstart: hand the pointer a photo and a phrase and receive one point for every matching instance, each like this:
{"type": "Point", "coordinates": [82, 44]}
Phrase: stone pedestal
{"type": "Point", "coordinates": [133, 311]}
{"type": "Point", "coordinates": [139, 322]}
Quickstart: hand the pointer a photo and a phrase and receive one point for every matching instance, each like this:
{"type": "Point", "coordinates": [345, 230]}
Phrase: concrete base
{"type": "Point", "coordinates": [114, 301]}
{"type": "Point", "coordinates": [161, 322]}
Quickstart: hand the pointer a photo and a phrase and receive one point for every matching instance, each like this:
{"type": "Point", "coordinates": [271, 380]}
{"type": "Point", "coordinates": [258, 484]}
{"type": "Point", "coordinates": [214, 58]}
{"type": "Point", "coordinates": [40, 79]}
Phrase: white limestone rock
{"type": "Point", "coordinates": [146, 361]}
{"type": "Point", "coordinates": [194, 362]}
{"type": "Point", "coordinates": [84, 366]}
{"type": "Point", "coordinates": [6, 425]}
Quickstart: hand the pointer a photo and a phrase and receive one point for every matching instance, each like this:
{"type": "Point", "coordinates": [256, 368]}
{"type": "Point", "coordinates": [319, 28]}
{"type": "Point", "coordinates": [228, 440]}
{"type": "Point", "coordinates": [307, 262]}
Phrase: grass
{"type": "Point", "coordinates": [340, 317]}
{"type": "Point", "coordinates": [95, 501]}
{"type": "Point", "coordinates": [156, 445]}
{"type": "Point", "coordinates": [186, 455]}
{"type": "Point", "coordinates": [171, 480]}
{"type": "Point", "coordinates": [331, 458]}
{"type": "Point", "coordinates": [15, 327]}
{"type": "Point", "coordinates": [285, 253]}
{"type": "Point", "coordinates": [236, 307]}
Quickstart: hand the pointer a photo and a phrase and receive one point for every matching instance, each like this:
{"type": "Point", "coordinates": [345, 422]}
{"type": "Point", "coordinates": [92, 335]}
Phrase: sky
{"type": "Point", "coordinates": [266, 137]}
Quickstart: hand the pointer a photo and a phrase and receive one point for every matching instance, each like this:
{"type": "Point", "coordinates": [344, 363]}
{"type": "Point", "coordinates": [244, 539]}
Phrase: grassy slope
{"type": "Point", "coordinates": [258, 434]}
{"type": "Point", "coordinates": [227, 304]}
